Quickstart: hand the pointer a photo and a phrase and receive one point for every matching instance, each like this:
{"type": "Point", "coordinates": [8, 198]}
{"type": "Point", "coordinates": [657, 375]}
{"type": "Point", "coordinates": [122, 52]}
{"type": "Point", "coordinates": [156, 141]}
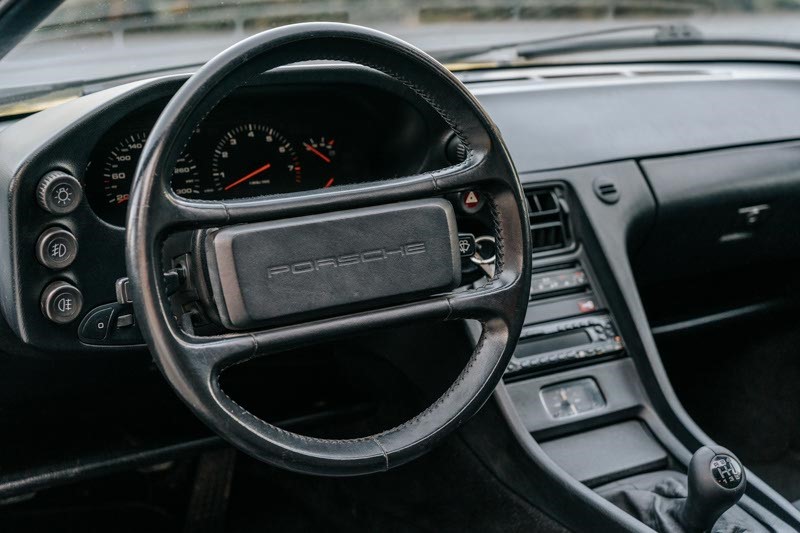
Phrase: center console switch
{"type": "Point", "coordinates": [565, 341]}
{"type": "Point", "coordinates": [552, 282]}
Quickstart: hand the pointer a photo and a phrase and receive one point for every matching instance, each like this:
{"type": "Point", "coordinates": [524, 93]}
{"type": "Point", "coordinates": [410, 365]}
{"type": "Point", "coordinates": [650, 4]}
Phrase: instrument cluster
{"type": "Point", "coordinates": [262, 142]}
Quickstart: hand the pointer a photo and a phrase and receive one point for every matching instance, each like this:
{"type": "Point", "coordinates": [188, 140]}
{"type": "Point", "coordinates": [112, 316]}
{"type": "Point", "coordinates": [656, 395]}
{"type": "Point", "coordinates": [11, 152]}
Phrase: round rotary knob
{"type": "Point", "coordinates": [56, 248]}
{"type": "Point", "coordinates": [61, 302]}
{"type": "Point", "coordinates": [59, 193]}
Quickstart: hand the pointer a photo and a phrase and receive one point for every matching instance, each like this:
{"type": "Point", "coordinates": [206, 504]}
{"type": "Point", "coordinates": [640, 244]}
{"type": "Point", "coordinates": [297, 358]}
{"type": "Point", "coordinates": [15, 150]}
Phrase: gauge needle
{"type": "Point", "coordinates": [123, 200]}
{"type": "Point", "coordinates": [256, 172]}
{"type": "Point", "coordinates": [328, 183]}
{"type": "Point", "coordinates": [317, 153]}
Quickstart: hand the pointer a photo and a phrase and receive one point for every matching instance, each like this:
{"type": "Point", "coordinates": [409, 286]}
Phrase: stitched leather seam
{"type": "Point", "coordinates": [448, 392]}
{"type": "Point", "coordinates": [291, 434]}
{"type": "Point", "coordinates": [435, 175]}
{"type": "Point", "coordinates": [499, 237]}
{"type": "Point", "coordinates": [376, 436]}
{"type": "Point", "coordinates": [385, 454]}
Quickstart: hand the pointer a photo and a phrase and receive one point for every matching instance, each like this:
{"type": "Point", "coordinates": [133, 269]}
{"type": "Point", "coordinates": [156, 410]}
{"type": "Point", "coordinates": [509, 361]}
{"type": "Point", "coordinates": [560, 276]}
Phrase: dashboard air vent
{"type": "Point", "coordinates": [548, 217]}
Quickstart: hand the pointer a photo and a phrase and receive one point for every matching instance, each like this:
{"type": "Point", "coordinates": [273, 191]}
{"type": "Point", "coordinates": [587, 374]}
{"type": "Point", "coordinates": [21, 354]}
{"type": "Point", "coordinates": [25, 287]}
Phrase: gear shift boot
{"type": "Point", "coordinates": [705, 500]}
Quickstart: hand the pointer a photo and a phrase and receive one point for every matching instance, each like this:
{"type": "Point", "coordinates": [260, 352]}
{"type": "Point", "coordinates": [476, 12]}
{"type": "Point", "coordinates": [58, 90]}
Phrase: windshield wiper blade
{"type": "Point", "coordinates": [663, 35]}
{"type": "Point", "coordinates": [614, 39]}
{"type": "Point", "coordinates": [546, 43]}
{"type": "Point", "coordinates": [637, 36]}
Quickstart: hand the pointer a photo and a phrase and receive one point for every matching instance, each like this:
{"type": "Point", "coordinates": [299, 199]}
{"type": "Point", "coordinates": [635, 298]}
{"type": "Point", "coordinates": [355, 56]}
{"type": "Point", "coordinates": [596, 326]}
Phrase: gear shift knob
{"type": "Point", "coordinates": [716, 482]}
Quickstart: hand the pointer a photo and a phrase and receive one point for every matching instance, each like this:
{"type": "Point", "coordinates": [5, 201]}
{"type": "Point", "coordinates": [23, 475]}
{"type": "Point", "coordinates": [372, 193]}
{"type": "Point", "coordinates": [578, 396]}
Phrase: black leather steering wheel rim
{"type": "Point", "coordinates": [192, 364]}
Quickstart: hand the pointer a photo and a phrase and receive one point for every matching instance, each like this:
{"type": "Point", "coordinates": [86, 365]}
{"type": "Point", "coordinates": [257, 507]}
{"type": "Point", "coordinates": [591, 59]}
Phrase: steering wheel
{"type": "Point", "coordinates": [414, 284]}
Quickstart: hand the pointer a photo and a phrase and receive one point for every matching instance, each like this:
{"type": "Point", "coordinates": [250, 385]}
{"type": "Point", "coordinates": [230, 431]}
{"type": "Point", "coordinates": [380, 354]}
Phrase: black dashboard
{"type": "Point", "coordinates": [294, 131]}
{"type": "Point", "coordinates": [303, 129]}
{"type": "Point", "coordinates": [728, 130]}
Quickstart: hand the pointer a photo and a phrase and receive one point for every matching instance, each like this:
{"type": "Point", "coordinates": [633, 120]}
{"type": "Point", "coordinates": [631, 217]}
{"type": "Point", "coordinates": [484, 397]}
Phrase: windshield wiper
{"type": "Point", "coordinates": [638, 36]}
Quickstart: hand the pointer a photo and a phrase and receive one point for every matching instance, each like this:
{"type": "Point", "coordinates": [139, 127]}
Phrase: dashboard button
{"type": "Point", "coordinates": [59, 193]}
{"type": "Point", "coordinates": [466, 244]}
{"type": "Point", "coordinates": [471, 201]}
{"type": "Point", "coordinates": [95, 325]}
{"type": "Point", "coordinates": [125, 321]}
{"type": "Point", "coordinates": [61, 302]}
{"type": "Point", "coordinates": [56, 248]}
{"type": "Point", "coordinates": [586, 305]}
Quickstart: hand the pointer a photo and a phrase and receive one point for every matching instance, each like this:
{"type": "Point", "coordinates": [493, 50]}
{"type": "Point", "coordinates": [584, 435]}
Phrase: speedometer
{"type": "Point", "coordinates": [116, 174]}
{"type": "Point", "coordinates": [253, 160]}
{"type": "Point", "coordinates": [119, 166]}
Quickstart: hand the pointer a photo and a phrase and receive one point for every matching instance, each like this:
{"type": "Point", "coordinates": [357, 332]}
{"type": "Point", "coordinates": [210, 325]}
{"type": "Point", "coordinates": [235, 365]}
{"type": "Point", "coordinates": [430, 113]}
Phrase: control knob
{"type": "Point", "coordinates": [59, 193]}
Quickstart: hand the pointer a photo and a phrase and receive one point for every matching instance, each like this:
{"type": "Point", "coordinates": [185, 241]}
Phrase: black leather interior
{"type": "Point", "coordinates": [330, 256]}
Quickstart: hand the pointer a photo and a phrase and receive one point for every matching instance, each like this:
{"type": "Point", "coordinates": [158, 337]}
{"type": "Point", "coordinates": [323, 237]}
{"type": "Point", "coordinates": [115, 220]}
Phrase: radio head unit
{"type": "Point", "coordinates": [566, 341]}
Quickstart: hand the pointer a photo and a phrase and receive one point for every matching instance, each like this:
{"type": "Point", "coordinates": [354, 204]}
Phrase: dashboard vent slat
{"type": "Point", "coordinates": [548, 219]}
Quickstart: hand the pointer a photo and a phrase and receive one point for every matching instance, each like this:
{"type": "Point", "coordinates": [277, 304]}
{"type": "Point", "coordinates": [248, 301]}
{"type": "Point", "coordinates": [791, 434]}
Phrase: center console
{"type": "Point", "coordinates": [567, 323]}
{"type": "Point", "coordinates": [579, 396]}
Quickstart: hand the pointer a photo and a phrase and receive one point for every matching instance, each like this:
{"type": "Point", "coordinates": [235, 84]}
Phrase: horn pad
{"type": "Point", "coordinates": [316, 264]}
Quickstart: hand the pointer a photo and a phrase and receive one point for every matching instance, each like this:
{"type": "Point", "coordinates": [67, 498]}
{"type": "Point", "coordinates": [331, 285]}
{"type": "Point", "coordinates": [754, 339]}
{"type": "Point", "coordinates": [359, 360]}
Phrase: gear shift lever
{"type": "Point", "coordinates": [716, 483]}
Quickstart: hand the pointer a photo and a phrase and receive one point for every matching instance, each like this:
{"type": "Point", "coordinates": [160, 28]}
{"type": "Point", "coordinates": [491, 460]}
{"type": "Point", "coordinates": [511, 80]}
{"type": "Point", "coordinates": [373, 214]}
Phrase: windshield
{"type": "Point", "coordinates": [85, 40]}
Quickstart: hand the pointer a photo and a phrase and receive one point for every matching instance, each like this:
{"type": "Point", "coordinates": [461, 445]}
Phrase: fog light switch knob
{"type": "Point", "coordinates": [56, 248]}
{"type": "Point", "coordinates": [61, 302]}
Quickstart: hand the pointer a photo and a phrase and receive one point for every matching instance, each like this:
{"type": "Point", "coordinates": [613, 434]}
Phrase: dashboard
{"type": "Point", "coordinates": [731, 125]}
{"type": "Point", "coordinates": [715, 145]}
{"type": "Point", "coordinates": [263, 141]}
{"type": "Point", "coordinates": [289, 132]}
{"type": "Point", "coordinates": [368, 128]}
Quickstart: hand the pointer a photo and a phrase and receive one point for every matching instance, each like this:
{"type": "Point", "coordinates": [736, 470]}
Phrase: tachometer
{"type": "Point", "coordinates": [321, 162]}
{"type": "Point", "coordinates": [253, 160]}
{"type": "Point", "coordinates": [116, 174]}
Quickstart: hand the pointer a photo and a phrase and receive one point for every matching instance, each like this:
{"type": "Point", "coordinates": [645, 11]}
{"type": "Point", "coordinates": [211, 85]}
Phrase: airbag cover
{"type": "Point", "coordinates": [268, 270]}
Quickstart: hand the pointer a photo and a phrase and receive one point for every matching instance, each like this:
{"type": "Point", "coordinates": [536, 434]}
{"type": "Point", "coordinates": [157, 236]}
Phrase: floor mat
{"type": "Point", "coordinates": [120, 518]}
{"type": "Point", "coordinates": [446, 490]}
{"type": "Point", "coordinates": [743, 391]}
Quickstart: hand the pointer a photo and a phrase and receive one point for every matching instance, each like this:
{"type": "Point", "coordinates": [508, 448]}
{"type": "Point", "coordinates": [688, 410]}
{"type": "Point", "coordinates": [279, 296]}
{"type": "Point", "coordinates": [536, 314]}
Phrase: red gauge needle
{"type": "Point", "coordinates": [317, 153]}
{"type": "Point", "coordinates": [328, 183]}
{"type": "Point", "coordinates": [123, 200]}
{"type": "Point", "coordinates": [256, 172]}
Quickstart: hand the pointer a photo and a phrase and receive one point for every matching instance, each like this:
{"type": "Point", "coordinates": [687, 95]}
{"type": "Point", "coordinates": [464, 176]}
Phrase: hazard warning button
{"type": "Point", "coordinates": [471, 201]}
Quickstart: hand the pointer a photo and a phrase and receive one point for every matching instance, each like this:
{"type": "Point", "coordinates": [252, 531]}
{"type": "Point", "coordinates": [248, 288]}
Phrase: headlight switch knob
{"type": "Point", "coordinates": [59, 193]}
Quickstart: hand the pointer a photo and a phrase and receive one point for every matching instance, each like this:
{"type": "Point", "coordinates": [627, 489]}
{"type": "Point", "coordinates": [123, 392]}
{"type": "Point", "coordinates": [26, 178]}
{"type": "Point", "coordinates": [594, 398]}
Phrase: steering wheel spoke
{"type": "Point", "coordinates": [211, 355]}
{"type": "Point", "coordinates": [208, 356]}
{"type": "Point", "coordinates": [491, 301]}
{"type": "Point", "coordinates": [176, 211]}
